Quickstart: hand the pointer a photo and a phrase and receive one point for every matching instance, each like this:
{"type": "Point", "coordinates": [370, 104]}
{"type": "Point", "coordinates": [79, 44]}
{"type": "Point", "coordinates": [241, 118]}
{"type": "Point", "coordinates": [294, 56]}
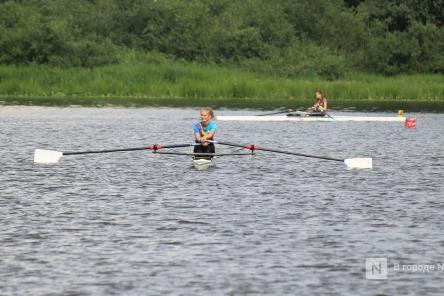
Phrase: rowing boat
{"type": "Point", "coordinates": [312, 118]}
{"type": "Point", "coordinates": [201, 161]}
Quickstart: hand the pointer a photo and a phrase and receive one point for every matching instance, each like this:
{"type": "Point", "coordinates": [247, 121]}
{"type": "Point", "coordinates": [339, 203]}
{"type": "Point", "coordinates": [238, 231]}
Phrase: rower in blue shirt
{"type": "Point", "coordinates": [205, 130]}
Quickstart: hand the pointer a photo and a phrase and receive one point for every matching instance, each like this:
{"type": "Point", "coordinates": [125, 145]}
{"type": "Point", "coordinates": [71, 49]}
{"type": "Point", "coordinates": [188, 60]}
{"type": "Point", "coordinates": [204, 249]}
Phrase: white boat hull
{"type": "Point", "coordinates": [312, 118]}
{"type": "Point", "coordinates": [203, 163]}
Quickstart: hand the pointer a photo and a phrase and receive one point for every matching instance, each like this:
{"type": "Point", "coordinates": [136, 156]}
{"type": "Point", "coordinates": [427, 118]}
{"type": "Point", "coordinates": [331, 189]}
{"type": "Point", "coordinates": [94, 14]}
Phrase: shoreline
{"type": "Point", "coordinates": [370, 105]}
{"type": "Point", "coordinates": [168, 83]}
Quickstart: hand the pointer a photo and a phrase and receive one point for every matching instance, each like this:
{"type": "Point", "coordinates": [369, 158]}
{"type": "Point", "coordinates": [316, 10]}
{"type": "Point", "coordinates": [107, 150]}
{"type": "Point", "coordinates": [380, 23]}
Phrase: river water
{"type": "Point", "coordinates": [134, 223]}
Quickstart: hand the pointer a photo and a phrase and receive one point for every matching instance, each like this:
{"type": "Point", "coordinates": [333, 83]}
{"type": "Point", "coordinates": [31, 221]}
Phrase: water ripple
{"type": "Point", "coordinates": [136, 223]}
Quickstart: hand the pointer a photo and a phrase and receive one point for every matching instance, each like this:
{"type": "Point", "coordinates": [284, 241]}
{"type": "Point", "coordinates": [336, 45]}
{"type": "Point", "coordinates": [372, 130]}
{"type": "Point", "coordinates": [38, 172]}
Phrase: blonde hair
{"type": "Point", "coordinates": [208, 110]}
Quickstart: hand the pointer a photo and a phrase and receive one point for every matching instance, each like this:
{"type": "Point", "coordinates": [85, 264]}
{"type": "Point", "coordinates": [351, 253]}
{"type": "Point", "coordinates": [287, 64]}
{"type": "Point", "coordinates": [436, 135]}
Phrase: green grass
{"type": "Point", "coordinates": [151, 79]}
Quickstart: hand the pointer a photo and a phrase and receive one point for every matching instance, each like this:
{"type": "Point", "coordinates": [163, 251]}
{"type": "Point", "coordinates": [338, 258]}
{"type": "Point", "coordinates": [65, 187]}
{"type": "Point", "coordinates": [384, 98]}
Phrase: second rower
{"type": "Point", "coordinates": [321, 102]}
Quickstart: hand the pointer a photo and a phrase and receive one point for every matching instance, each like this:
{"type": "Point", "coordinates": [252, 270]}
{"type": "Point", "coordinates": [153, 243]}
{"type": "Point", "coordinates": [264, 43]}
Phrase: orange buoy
{"type": "Point", "coordinates": [410, 122]}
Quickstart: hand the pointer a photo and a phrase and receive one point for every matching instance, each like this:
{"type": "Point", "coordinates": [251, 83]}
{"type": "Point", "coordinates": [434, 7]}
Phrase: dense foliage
{"type": "Point", "coordinates": [286, 37]}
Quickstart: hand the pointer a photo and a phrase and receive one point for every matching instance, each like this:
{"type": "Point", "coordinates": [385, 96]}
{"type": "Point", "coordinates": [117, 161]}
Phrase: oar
{"type": "Point", "coordinates": [50, 156]}
{"type": "Point", "coordinates": [328, 114]}
{"type": "Point", "coordinates": [354, 163]}
{"type": "Point", "coordinates": [280, 112]}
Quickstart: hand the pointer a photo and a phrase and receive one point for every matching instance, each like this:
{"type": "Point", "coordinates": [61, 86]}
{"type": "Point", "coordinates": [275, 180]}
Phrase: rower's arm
{"type": "Point", "coordinates": [209, 135]}
{"type": "Point", "coordinates": [315, 106]}
{"type": "Point", "coordinates": [197, 136]}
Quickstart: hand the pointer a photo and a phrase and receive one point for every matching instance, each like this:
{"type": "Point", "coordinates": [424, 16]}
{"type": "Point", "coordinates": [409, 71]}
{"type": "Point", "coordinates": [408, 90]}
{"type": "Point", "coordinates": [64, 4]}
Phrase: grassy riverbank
{"type": "Point", "coordinates": [140, 80]}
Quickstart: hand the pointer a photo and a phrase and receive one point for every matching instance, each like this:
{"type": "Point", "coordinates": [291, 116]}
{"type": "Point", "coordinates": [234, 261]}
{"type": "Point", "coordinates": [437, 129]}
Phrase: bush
{"type": "Point", "coordinates": [301, 60]}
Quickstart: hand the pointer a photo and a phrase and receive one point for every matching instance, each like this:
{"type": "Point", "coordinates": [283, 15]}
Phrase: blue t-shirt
{"type": "Point", "coordinates": [212, 126]}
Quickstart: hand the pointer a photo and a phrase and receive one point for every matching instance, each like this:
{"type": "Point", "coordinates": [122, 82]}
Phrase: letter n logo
{"type": "Point", "coordinates": [376, 268]}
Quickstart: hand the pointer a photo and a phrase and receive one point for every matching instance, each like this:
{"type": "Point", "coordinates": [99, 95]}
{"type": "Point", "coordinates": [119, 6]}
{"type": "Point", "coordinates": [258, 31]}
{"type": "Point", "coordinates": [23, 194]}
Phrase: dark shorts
{"type": "Point", "coordinates": [204, 149]}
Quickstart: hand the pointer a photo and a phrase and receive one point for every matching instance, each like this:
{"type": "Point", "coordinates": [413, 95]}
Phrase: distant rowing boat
{"type": "Point", "coordinates": [312, 118]}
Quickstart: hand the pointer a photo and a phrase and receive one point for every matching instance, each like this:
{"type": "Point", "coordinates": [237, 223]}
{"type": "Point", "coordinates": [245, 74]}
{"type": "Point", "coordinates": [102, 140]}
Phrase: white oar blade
{"type": "Point", "coordinates": [47, 156]}
{"type": "Point", "coordinates": [359, 163]}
